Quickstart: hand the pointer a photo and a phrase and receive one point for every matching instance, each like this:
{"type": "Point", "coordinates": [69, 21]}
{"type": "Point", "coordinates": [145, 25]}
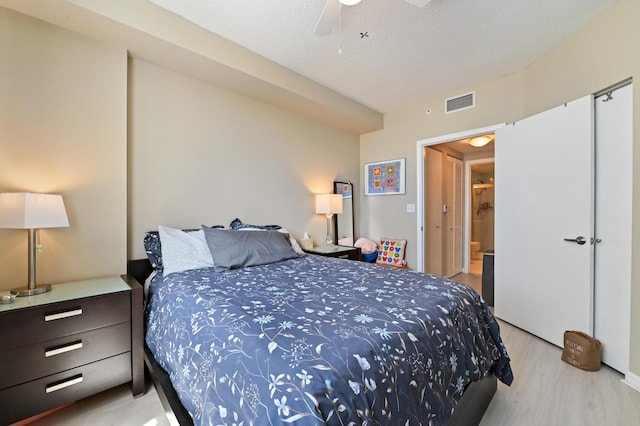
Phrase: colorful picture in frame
{"type": "Point", "coordinates": [345, 190]}
{"type": "Point", "coordinates": [384, 178]}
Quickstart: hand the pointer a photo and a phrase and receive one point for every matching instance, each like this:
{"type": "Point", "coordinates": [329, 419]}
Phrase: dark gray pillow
{"type": "Point", "coordinates": [233, 249]}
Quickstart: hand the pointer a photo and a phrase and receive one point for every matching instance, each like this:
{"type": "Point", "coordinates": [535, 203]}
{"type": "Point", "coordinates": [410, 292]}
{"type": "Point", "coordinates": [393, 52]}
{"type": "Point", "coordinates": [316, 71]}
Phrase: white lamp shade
{"type": "Point", "coordinates": [349, 2]}
{"type": "Point", "coordinates": [329, 203]}
{"type": "Point", "coordinates": [26, 210]}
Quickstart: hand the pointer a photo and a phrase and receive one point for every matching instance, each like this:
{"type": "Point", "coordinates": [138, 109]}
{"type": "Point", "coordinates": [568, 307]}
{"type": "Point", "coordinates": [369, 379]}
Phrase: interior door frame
{"type": "Point", "coordinates": [454, 255]}
{"type": "Point", "coordinates": [420, 145]}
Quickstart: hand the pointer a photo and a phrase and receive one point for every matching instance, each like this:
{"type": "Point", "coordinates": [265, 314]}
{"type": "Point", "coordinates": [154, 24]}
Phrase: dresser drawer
{"type": "Point", "coordinates": [30, 325]}
{"type": "Point", "coordinates": [52, 356]}
{"type": "Point", "coordinates": [19, 402]}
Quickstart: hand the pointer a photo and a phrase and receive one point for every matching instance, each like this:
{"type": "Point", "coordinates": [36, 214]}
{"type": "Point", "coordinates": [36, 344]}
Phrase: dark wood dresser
{"type": "Point", "coordinates": [342, 252]}
{"type": "Point", "coordinates": [77, 340]}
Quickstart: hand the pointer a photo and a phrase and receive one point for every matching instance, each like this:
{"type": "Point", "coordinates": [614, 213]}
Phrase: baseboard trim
{"type": "Point", "coordinates": [632, 380]}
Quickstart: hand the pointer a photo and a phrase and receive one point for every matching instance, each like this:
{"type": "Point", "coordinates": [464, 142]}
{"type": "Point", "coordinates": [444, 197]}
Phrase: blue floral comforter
{"type": "Point", "coordinates": [318, 340]}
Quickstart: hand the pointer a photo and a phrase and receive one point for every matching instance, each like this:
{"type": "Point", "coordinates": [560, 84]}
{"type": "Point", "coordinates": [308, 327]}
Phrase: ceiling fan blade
{"type": "Point", "coordinates": [418, 3]}
{"type": "Point", "coordinates": [328, 18]}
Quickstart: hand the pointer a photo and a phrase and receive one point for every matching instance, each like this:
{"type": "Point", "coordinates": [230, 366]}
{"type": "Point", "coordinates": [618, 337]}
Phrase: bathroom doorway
{"type": "Point", "coordinates": [481, 201]}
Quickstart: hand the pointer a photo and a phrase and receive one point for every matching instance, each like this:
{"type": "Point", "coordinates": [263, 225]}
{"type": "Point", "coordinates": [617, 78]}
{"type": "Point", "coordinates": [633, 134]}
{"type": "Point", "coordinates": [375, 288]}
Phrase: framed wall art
{"type": "Point", "coordinates": [384, 178]}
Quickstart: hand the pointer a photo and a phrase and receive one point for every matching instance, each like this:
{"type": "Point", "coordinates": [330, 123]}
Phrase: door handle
{"type": "Point", "coordinates": [578, 240]}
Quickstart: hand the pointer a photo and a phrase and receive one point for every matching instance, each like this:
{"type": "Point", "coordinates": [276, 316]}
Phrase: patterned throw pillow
{"type": "Point", "coordinates": [391, 252]}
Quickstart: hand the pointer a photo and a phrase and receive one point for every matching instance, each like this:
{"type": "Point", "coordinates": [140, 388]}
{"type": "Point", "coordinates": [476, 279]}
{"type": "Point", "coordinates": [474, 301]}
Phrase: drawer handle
{"type": "Point", "coordinates": [61, 315]}
{"type": "Point", "coordinates": [62, 349]}
{"type": "Point", "coordinates": [65, 384]}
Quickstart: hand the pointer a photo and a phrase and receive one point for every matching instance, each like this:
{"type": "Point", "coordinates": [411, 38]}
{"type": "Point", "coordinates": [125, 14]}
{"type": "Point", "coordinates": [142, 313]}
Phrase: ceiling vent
{"type": "Point", "coordinates": [459, 103]}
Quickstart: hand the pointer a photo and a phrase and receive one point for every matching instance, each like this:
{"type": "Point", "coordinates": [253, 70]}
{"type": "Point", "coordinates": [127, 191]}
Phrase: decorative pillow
{"type": "Point", "coordinates": [391, 252]}
{"type": "Point", "coordinates": [232, 250]}
{"type": "Point", "coordinates": [237, 225]}
{"type": "Point", "coordinates": [182, 251]}
{"type": "Point", "coordinates": [153, 247]}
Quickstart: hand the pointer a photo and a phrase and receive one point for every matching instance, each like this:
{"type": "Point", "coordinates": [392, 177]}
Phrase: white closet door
{"type": "Point", "coordinates": [543, 195]}
{"type": "Point", "coordinates": [433, 219]}
{"type": "Point", "coordinates": [613, 225]}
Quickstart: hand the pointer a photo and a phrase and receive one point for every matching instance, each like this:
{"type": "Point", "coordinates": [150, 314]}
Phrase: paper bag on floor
{"type": "Point", "coordinates": [581, 350]}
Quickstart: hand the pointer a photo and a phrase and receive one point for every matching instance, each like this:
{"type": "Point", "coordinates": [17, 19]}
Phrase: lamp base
{"type": "Point", "coordinates": [20, 292]}
{"type": "Point", "coordinates": [328, 241]}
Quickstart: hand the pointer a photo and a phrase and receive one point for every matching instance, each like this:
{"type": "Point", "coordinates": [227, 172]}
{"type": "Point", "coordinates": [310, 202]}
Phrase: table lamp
{"type": "Point", "coordinates": [328, 205]}
{"type": "Point", "coordinates": [26, 210]}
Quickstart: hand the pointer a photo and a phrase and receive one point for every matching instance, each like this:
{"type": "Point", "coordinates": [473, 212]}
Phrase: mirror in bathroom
{"type": "Point", "coordinates": [344, 222]}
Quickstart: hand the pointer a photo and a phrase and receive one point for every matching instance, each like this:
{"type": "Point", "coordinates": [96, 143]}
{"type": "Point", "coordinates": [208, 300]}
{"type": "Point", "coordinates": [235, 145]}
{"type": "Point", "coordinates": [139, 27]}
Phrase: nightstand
{"type": "Point", "coordinates": [343, 252]}
{"type": "Point", "coordinates": [79, 339]}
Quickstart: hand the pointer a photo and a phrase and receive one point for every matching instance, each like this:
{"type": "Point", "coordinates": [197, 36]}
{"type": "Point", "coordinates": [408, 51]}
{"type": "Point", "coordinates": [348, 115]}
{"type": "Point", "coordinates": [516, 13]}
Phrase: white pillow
{"type": "Point", "coordinates": [182, 251]}
{"type": "Point", "coordinates": [294, 244]}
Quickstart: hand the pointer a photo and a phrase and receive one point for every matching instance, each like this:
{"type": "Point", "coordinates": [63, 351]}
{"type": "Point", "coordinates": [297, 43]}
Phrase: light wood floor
{"type": "Point", "coordinates": [474, 278]}
{"type": "Point", "coordinates": [110, 408]}
{"type": "Point", "coordinates": [546, 391]}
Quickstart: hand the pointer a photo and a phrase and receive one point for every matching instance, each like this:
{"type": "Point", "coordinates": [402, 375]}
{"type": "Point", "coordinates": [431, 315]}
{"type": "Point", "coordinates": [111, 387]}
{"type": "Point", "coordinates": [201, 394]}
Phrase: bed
{"type": "Point", "coordinates": [319, 340]}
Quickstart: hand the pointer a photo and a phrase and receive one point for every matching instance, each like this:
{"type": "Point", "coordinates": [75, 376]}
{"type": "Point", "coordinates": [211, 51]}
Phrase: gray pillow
{"type": "Point", "coordinates": [232, 249]}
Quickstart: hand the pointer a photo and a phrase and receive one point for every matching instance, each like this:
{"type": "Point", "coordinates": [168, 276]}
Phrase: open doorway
{"type": "Point", "coordinates": [480, 199]}
{"type": "Point", "coordinates": [472, 234]}
{"type": "Point", "coordinates": [482, 202]}
{"type": "Point", "coordinates": [456, 244]}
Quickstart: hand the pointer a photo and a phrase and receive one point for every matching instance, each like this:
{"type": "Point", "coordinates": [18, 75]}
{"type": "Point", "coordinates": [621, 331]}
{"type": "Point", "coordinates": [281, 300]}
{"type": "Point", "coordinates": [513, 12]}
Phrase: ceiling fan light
{"type": "Point", "coordinates": [480, 141]}
{"type": "Point", "coordinates": [349, 2]}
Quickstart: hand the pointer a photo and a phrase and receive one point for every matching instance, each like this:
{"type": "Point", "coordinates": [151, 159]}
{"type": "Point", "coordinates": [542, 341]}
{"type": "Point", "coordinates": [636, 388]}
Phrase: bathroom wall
{"type": "Point", "coordinates": [482, 211]}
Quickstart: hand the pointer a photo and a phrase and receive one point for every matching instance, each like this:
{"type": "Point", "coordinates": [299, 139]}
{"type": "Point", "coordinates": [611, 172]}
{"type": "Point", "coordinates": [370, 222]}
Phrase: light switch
{"type": "Point", "coordinates": [411, 208]}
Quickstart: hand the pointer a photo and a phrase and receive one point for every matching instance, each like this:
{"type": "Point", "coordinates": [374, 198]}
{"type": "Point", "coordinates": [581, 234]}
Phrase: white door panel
{"type": "Point", "coordinates": [614, 180]}
{"type": "Point", "coordinates": [544, 187]}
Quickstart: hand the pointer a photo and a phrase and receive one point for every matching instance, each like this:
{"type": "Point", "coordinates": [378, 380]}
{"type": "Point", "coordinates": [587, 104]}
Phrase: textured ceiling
{"type": "Point", "coordinates": [410, 54]}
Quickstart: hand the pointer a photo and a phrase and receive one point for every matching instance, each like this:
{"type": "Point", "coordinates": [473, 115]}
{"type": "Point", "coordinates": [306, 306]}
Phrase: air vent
{"type": "Point", "coordinates": [459, 103]}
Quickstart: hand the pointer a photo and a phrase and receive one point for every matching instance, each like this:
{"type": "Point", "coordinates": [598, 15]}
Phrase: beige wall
{"type": "Point", "coordinates": [63, 130]}
{"type": "Point", "coordinates": [200, 154]}
{"type": "Point", "coordinates": [196, 153]}
{"type": "Point", "coordinates": [603, 53]}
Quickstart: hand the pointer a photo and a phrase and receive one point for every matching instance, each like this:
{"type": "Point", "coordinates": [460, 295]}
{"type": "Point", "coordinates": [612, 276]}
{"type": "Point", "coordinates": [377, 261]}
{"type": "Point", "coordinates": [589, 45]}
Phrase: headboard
{"type": "Point", "coordinates": [139, 269]}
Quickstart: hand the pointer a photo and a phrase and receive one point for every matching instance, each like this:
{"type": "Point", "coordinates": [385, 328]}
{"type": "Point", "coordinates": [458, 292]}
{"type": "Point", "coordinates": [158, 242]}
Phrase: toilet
{"type": "Point", "coordinates": [475, 250]}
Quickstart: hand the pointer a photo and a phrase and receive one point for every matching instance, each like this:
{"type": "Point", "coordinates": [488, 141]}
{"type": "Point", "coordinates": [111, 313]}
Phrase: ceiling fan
{"type": "Point", "coordinates": [331, 13]}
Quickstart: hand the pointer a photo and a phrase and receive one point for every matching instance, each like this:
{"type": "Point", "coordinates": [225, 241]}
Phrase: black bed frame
{"type": "Point", "coordinates": [468, 412]}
